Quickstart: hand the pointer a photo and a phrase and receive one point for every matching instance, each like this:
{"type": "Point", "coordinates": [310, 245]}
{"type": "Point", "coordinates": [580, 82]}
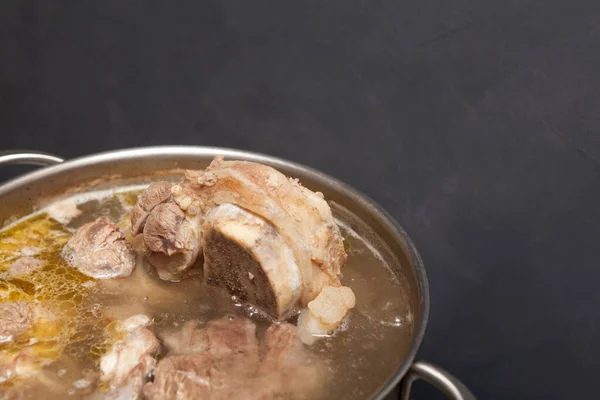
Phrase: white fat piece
{"type": "Point", "coordinates": [325, 313]}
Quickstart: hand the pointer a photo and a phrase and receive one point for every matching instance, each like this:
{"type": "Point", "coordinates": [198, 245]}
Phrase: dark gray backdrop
{"type": "Point", "coordinates": [474, 122]}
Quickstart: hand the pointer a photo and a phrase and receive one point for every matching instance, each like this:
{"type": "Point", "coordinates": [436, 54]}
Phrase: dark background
{"type": "Point", "coordinates": [475, 123]}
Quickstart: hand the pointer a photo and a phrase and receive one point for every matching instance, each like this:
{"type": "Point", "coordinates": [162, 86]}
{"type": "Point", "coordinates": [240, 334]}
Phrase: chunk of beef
{"type": "Point", "coordinates": [125, 368]}
{"type": "Point", "coordinates": [15, 318]}
{"type": "Point", "coordinates": [130, 389]}
{"type": "Point", "coordinates": [281, 349]}
{"type": "Point", "coordinates": [156, 194]}
{"type": "Point", "coordinates": [286, 369]}
{"type": "Point", "coordinates": [137, 348]}
{"type": "Point", "coordinates": [172, 239]}
{"type": "Point", "coordinates": [191, 338]}
{"type": "Point", "coordinates": [25, 374]}
{"type": "Point", "coordinates": [233, 337]}
{"type": "Point", "coordinates": [265, 272]}
{"type": "Point", "coordinates": [21, 365]}
{"type": "Point", "coordinates": [181, 377]}
{"type": "Point", "coordinates": [99, 249]}
{"type": "Point", "coordinates": [25, 265]}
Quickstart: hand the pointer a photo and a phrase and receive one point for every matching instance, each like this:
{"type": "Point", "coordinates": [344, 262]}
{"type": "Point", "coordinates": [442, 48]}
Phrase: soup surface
{"type": "Point", "coordinates": [77, 314]}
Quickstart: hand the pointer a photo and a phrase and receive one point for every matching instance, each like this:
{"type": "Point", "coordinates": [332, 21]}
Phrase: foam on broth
{"type": "Point", "coordinates": [362, 353]}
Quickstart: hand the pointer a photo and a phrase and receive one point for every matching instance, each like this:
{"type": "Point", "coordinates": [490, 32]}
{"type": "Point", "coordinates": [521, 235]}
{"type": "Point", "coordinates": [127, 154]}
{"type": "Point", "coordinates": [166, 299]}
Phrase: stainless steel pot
{"type": "Point", "coordinates": [22, 195]}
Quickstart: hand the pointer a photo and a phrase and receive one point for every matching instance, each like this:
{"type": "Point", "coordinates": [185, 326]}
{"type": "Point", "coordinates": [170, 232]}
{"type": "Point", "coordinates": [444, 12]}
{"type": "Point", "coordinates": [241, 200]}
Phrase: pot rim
{"type": "Point", "coordinates": [398, 233]}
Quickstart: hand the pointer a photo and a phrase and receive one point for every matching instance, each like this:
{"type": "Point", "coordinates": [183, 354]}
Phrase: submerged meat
{"type": "Point", "coordinates": [229, 363]}
{"type": "Point", "coordinates": [99, 249]}
{"type": "Point", "coordinates": [25, 265]}
{"type": "Point", "coordinates": [233, 338]}
{"type": "Point", "coordinates": [25, 374]}
{"type": "Point", "coordinates": [281, 349]}
{"type": "Point", "coordinates": [191, 338]}
{"type": "Point", "coordinates": [125, 368]}
{"type": "Point", "coordinates": [286, 368]}
{"type": "Point", "coordinates": [18, 366]}
{"type": "Point", "coordinates": [15, 318]}
{"type": "Point", "coordinates": [180, 377]}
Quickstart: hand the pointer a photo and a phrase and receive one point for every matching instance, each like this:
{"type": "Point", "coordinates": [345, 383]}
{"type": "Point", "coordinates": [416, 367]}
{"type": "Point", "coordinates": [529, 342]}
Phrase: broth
{"type": "Point", "coordinates": [80, 311]}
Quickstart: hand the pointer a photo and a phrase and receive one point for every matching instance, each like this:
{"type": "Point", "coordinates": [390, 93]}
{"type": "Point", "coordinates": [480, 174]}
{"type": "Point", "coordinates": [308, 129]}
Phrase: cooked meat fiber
{"type": "Point", "coordinates": [15, 318]}
{"type": "Point", "coordinates": [230, 365]}
{"type": "Point", "coordinates": [156, 194]}
{"type": "Point", "coordinates": [98, 249]}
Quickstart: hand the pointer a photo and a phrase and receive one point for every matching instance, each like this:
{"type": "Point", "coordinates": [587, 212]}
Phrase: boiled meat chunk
{"type": "Point", "coordinates": [180, 377]}
{"type": "Point", "coordinates": [24, 266]}
{"type": "Point", "coordinates": [246, 255]}
{"type": "Point", "coordinates": [190, 339]}
{"type": "Point", "coordinates": [25, 374]}
{"type": "Point", "coordinates": [171, 231]}
{"type": "Point", "coordinates": [281, 349]}
{"type": "Point", "coordinates": [172, 240]}
{"type": "Point", "coordinates": [233, 338]}
{"type": "Point", "coordinates": [21, 365]}
{"type": "Point", "coordinates": [125, 368]}
{"type": "Point", "coordinates": [15, 318]}
{"type": "Point", "coordinates": [156, 194]}
{"type": "Point", "coordinates": [98, 249]}
{"type": "Point", "coordinates": [286, 367]}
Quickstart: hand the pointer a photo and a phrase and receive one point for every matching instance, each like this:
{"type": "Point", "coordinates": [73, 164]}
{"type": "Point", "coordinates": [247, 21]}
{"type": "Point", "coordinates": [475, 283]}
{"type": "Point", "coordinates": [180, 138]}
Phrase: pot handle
{"type": "Point", "coordinates": [29, 157]}
{"type": "Point", "coordinates": [441, 379]}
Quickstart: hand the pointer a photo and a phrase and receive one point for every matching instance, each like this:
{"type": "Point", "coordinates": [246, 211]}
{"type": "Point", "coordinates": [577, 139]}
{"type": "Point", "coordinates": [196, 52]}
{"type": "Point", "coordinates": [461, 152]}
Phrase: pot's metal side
{"type": "Point", "coordinates": [20, 195]}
